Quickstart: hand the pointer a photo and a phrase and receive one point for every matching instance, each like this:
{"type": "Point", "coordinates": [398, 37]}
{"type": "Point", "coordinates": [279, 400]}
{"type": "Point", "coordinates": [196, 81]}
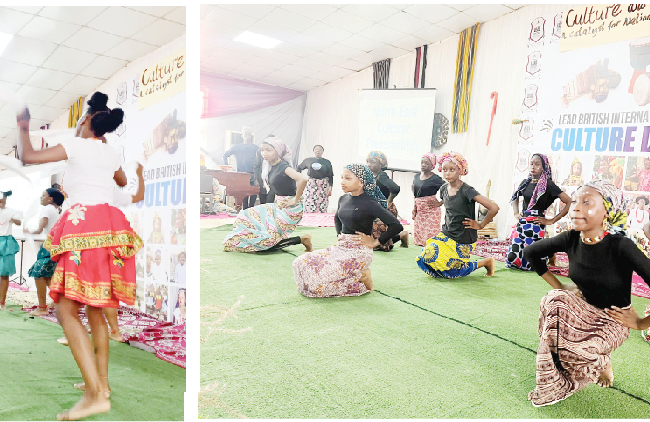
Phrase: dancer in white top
{"type": "Point", "coordinates": [43, 268]}
{"type": "Point", "coordinates": [8, 246]}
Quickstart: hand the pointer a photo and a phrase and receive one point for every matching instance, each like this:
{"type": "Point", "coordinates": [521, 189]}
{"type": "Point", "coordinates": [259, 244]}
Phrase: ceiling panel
{"type": "Point", "coordinates": [322, 43]}
{"type": "Point", "coordinates": [59, 53]}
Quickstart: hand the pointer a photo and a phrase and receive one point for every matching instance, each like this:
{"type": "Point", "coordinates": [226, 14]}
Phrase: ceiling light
{"type": "Point", "coordinates": [257, 40]}
{"type": "Point", "coordinates": [4, 40]}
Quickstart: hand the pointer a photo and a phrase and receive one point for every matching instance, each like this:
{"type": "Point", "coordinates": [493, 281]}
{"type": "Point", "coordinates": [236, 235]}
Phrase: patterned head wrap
{"type": "Point", "coordinates": [615, 204]}
{"type": "Point", "coordinates": [457, 159]}
{"type": "Point", "coordinates": [383, 161]}
{"type": "Point", "coordinates": [540, 189]}
{"type": "Point", "coordinates": [284, 152]}
{"type": "Point", "coordinates": [363, 173]}
{"type": "Point", "coordinates": [431, 157]}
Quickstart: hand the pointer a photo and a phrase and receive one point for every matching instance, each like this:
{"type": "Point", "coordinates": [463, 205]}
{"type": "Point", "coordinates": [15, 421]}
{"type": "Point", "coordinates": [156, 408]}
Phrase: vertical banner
{"type": "Point", "coordinates": [587, 109]}
{"type": "Point", "coordinates": [153, 133]}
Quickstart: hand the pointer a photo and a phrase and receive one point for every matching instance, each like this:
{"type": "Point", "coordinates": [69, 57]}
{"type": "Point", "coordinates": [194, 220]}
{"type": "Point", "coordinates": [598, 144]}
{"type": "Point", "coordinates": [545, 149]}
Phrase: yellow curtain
{"type": "Point", "coordinates": [75, 112]}
{"type": "Point", "coordinates": [465, 59]}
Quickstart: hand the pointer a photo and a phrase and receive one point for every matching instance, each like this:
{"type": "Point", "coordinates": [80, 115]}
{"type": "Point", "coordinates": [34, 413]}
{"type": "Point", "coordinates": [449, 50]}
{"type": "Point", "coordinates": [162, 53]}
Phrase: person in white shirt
{"type": "Point", "coordinates": [8, 246]}
{"type": "Point", "coordinates": [43, 268]}
{"type": "Point", "coordinates": [157, 271]}
{"type": "Point", "coordinates": [93, 244]}
{"type": "Point", "coordinates": [179, 272]}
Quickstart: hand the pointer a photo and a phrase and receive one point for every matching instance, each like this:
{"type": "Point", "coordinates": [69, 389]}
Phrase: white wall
{"type": "Point", "coordinates": [332, 110]}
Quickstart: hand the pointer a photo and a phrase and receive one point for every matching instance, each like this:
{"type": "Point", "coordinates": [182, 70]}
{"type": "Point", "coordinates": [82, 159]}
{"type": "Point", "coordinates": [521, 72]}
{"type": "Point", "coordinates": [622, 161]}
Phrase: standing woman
{"type": "Point", "coordinates": [93, 244]}
{"type": "Point", "coordinates": [343, 269]}
{"type": "Point", "coordinates": [378, 163]}
{"type": "Point", "coordinates": [581, 324]}
{"type": "Point", "coordinates": [267, 227]}
{"type": "Point", "coordinates": [539, 192]}
{"type": "Point", "coordinates": [43, 268]}
{"type": "Point", "coordinates": [426, 213]}
{"type": "Point", "coordinates": [8, 246]}
{"type": "Point", "coordinates": [321, 180]}
{"type": "Point", "coordinates": [448, 254]}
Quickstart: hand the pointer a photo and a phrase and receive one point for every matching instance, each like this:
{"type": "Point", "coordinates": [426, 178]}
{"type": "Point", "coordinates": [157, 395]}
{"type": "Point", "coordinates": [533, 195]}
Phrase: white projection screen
{"type": "Point", "coordinates": [398, 122]}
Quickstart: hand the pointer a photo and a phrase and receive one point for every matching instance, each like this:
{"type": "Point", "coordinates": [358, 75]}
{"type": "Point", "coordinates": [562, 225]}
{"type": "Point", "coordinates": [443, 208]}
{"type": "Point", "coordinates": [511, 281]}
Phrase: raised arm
{"type": "Point", "coordinates": [29, 156]}
{"type": "Point", "coordinates": [139, 195]}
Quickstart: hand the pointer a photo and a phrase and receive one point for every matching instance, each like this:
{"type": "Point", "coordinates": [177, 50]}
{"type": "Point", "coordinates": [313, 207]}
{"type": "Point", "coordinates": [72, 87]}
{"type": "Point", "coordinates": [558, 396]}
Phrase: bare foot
{"type": "Point", "coordinates": [116, 336]}
{"type": "Point", "coordinates": [606, 379]}
{"type": "Point", "coordinates": [40, 311]}
{"type": "Point", "coordinates": [63, 341]}
{"type": "Point", "coordinates": [366, 279]}
{"type": "Point", "coordinates": [305, 239]}
{"type": "Point", "coordinates": [404, 238]}
{"type": "Point", "coordinates": [489, 266]}
{"type": "Point", "coordinates": [90, 404]}
{"type": "Point", "coordinates": [105, 387]}
{"type": "Point", "coordinates": [3, 307]}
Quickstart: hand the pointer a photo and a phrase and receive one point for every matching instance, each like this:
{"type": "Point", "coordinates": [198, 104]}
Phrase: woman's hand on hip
{"type": "Point", "coordinates": [366, 240]}
{"type": "Point", "coordinates": [628, 317]}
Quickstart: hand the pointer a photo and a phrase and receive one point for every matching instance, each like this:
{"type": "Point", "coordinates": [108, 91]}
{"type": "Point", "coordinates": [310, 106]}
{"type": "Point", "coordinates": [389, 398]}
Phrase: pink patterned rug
{"type": "Point", "coordinates": [498, 251]}
{"type": "Point", "coordinates": [166, 339]}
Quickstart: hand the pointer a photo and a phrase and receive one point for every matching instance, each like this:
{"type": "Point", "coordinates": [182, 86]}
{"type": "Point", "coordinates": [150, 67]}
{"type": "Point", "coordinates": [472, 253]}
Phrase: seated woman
{"type": "Point", "coordinates": [343, 269]}
{"type": "Point", "coordinates": [377, 163]}
{"type": "Point", "coordinates": [447, 255]}
{"type": "Point", "coordinates": [539, 192]}
{"type": "Point", "coordinates": [581, 324]}
{"type": "Point", "coordinates": [268, 227]}
{"type": "Point", "coordinates": [426, 215]}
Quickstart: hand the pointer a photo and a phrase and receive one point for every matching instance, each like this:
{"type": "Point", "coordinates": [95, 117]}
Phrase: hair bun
{"type": "Point", "coordinates": [98, 101]}
{"type": "Point", "coordinates": [117, 116]}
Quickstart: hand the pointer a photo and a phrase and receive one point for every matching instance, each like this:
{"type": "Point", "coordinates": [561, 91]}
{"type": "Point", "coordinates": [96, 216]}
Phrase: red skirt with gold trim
{"type": "Point", "coordinates": [94, 247]}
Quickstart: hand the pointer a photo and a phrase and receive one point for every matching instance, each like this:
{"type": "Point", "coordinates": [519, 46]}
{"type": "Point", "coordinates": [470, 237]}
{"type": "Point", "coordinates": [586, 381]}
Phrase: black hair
{"type": "Point", "coordinates": [6, 194]}
{"type": "Point", "coordinates": [56, 195]}
{"type": "Point", "coordinates": [106, 121]}
{"type": "Point", "coordinates": [645, 199]}
{"type": "Point", "coordinates": [97, 103]}
{"type": "Point", "coordinates": [318, 146]}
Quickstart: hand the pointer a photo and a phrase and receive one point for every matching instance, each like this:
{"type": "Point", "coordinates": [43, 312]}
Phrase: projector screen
{"type": "Point", "coordinates": [398, 122]}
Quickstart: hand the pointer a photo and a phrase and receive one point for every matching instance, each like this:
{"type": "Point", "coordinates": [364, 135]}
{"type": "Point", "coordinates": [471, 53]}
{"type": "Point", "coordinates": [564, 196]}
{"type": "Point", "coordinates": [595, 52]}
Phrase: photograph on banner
{"type": "Point", "coordinates": [586, 108]}
{"type": "Point", "coordinates": [177, 267]}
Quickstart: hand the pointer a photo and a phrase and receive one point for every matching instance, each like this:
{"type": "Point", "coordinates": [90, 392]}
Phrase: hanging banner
{"type": "Point", "coordinates": [590, 115]}
{"type": "Point", "coordinates": [592, 25]}
{"type": "Point", "coordinates": [162, 80]}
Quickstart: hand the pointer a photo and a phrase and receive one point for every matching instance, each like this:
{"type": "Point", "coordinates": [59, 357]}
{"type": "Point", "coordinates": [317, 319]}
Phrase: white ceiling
{"type": "Point", "coordinates": [323, 43]}
{"type": "Point", "coordinates": [59, 53]}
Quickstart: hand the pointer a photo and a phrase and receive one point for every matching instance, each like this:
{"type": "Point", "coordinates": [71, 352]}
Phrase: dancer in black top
{"type": "Point", "coordinates": [267, 227]}
{"type": "Point", "coordinates": [427, 215]}
{"type": "Point", "coordinates": [581, 324]}
{"type": "Point", "coordinates": [343, 269]}
{"type": "Point", "coordinates": [377, 163]}
{"type": "Point", "coordinates": [539, 192]}
{"type": "Point", "coordinates": [321, 179]}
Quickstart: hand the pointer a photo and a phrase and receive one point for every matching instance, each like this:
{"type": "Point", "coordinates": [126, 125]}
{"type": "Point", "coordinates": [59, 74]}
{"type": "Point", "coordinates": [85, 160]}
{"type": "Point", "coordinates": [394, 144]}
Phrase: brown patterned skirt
{"type": "Point", "coordinates": [575, 343]}
{"type": "Point", "coordinates": [334, 271]}
{"type": "Point", "coordinates": [378, 226]}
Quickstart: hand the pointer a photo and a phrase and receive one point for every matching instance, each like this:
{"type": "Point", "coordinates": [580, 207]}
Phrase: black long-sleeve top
{"type": "Point", "coordinates": [386, 185]}
{"type": "Point", "coordinates": [319, 168]}
{"type": "Point", "coordinates": [356, 214]}
{"type": "Point", "coordinates": [602, 271]}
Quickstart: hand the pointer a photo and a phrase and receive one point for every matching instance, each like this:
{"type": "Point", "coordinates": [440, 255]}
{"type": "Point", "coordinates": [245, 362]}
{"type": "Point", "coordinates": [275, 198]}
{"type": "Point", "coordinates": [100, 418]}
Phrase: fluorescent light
{"type": "Point", "coordinates": [4, 40]}
{"type": "Point", "coordinates": [257, 40]}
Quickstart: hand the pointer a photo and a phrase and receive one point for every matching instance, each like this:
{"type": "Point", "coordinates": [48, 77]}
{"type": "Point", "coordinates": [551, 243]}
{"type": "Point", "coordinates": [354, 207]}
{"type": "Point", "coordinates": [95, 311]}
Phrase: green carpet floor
{"type": "Point", "coordinates": [38, 375]}
{"type": "Point", "coordinates": [417, 347]}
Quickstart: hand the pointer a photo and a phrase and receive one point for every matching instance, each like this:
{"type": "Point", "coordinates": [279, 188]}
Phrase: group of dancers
{"type": "Point", "coordinates": [88, 255]}
{"type": "Point", "coordinates": [580, 323]}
